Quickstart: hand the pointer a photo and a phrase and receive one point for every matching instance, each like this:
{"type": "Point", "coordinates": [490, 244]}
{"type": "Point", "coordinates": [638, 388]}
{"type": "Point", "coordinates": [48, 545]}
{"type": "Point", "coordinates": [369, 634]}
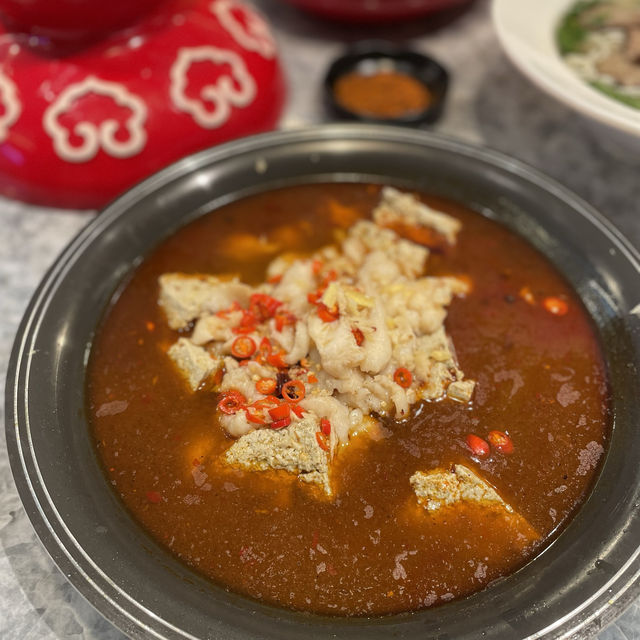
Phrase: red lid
{"type": "Point", "coordinates": [78, 129]}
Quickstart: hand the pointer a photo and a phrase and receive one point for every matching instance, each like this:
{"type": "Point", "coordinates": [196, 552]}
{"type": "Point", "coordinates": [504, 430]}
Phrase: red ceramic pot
{"type": "Point", "coordinates": [375, 10]}
{"type": "Point", "coordinates": [78, 129]}
{"type": "Point", "coordinates": [65, 20]}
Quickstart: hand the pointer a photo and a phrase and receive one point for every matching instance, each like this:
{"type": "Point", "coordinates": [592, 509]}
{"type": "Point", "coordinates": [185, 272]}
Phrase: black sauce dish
{"type": "Point", "coordinates": [369, 57]}
{"type": "Point", "coordinates": [577, 585]}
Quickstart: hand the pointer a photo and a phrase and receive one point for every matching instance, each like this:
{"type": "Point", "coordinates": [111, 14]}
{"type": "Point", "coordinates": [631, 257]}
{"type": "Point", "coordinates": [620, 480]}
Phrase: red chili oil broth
{"type": "Point", "coordinates": [372, 550]}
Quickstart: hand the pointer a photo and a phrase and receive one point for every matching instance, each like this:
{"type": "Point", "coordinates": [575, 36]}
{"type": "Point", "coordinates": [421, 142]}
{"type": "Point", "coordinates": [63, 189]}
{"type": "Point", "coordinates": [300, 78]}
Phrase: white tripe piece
{"type": "Point", "coordinates": [396, 206]}
{"type": "Point", "coordinates": [185, 298]}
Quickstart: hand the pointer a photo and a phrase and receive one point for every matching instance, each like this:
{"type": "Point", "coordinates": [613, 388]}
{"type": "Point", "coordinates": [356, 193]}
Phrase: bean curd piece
{"type": "Point", "coordinates": [461, 390]}
{"type": "Point", "coordinates": [195, 363]}
{"type": "Point", "coordinates": [443, 488]}
{"type": "Point", "coordinates": [295, 450]}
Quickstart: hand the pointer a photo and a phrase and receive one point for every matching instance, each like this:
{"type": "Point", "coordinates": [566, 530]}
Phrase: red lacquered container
{"type": "Point", "coordinates": [90, 107]}
{"type": "Point", "coordinates": [375, 10]}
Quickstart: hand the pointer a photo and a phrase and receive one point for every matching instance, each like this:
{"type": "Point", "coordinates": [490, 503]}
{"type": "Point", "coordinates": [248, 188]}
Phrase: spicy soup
{"type": "Point", "coordinates": [370, 548]}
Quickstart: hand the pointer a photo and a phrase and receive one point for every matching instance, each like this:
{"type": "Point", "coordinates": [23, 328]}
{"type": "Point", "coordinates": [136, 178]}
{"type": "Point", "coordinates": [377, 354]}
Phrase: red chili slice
{"type": "Point", "coordinates": [314, 296]}
{"type": "Point", "coordinates": [254, 417]}
{"type": "Point", "coordinates": [280, 424]}
{"type": "Point", "coordinates": [321, 439]}
{"type": "Point", "coordinates": [327, 315]}
{"type": "Point", "coordinates": [280, 412]}
{"type": "Point", "coordinates": [299, 411]}
{"type": "Point", "coordinates": [217, 377]}
{"type": "Point", "coordinates": [225, 312]}
{"type": "Point", "coordinates": [277, 360]}
{"type": "Point", "coordinates": [154, 497]}
{"type": "Point", "coordinates": [231, 402]}
{"type": "Point", "coordinates": [266, 386]}
{"type": "Point", "coordinates": [249, 318]}
{"type": "Point", "coordinates": [501, 442]}
{"type": "Point", "coordinates": [325, 426]}
{"type": "Point", "coordinates": [263, 306]}
{"type": "Point", "coordinates": [556, 306]}
{"type": "Point", "coordinates": [527, 295]}
{"type": "Point", "coordinates": [264, 350]}
{"type": "Point", "coordinates": [402, 377]}
{"type": "Point", "coordinates": [266, 402]}
{"type": "Point", "coordinates": [267, 354]}
{"type": "Point", "coordinates": [284, 319]}
{"type": "Point", "coordinates": [358, 336]}
{"type": "Point", "coordinates": [293, 391]}
{"type": "Point", "coordinates": [243, 347]}
{"type": "Point", "coordinates": [330, 277]}
{"type": "Point", "coordinates": [243, 330]}
{"type": "Point", "coordinates": [478, 446]}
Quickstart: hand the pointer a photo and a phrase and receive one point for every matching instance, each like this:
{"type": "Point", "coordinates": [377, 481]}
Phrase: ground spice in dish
{"type": "Point", "coordinates": [386, 94]}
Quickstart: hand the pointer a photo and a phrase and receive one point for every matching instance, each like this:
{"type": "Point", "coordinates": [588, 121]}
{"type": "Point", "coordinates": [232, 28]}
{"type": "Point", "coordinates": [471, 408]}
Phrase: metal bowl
{"type": "Point", "coordinates": [576, 586]}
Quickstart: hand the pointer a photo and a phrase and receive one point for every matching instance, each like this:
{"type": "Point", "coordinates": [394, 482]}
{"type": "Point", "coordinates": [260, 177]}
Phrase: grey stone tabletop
{"type": "Point", "coordinates": [489, 103]}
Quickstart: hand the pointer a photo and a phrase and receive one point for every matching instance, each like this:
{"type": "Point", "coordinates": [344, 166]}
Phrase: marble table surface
{"type": "Point", "coordinates": [490, 103]}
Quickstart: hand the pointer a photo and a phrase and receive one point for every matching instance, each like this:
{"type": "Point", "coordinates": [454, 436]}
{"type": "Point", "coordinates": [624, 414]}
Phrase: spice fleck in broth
{"type": "Point", "coordinates": [533, 431]}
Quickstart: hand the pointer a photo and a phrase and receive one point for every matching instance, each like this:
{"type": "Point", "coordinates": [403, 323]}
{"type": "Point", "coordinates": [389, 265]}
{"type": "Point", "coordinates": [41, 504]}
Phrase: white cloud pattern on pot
{"type": "Point", "coordinates": [11, 103]}
{"type": "Point", "coordinates": [222, 94]}
{"type": "Point", "coordinates": [253, 35]}
{"type": "Point", "coordinates": [96, 136]}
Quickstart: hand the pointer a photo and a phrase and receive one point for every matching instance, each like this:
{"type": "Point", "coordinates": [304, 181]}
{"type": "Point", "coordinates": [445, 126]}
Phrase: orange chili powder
{"type": "Point", "coordinates": [386, 94]}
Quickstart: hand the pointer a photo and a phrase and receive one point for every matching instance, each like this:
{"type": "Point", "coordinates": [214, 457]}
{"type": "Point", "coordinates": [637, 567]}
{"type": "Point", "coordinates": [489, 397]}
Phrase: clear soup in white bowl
{"type": "Point", "coordinates": [528, 32]}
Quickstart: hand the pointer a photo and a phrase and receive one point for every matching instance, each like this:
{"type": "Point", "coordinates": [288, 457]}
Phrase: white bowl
{"type": "Point", "coordinates": [527, 31]}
